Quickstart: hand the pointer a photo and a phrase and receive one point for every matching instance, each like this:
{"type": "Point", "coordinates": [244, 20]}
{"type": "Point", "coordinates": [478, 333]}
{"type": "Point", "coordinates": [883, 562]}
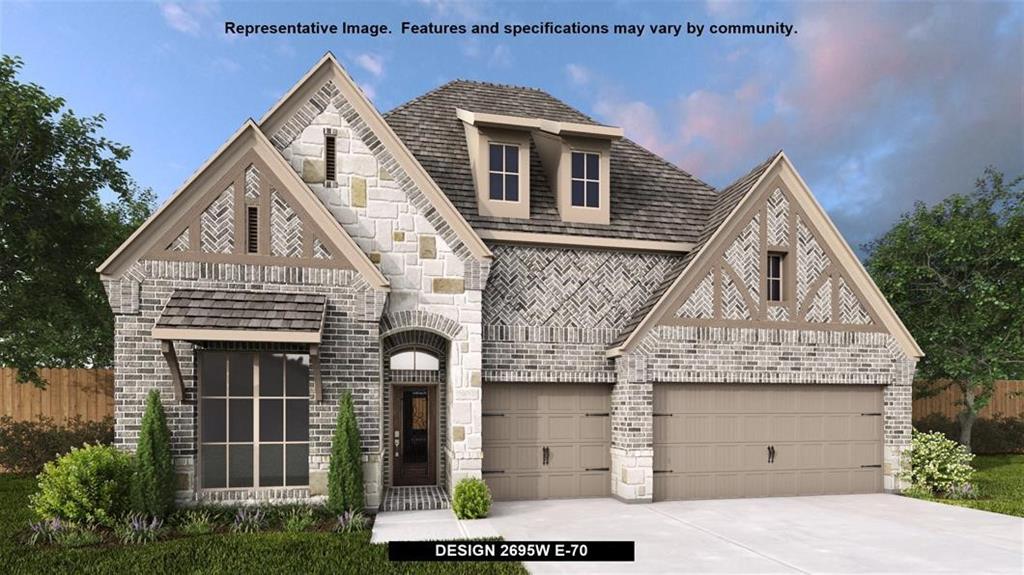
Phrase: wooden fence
{"type": "Point", "coordinates": [1007, 400]}
{"type": "Point", "coordinates": [87, 393]}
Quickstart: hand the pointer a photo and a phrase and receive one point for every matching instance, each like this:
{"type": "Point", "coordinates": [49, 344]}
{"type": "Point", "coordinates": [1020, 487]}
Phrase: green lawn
{"type": "Point", "coordinates": [314, 552]}
{"type": "Point", "coordinates": [1000, 483]}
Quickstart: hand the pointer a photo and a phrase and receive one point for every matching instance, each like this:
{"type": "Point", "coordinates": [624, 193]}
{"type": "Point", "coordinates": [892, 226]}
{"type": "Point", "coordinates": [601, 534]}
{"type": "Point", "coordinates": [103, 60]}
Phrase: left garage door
{"type": "Point", "coordinates": [546, 441]}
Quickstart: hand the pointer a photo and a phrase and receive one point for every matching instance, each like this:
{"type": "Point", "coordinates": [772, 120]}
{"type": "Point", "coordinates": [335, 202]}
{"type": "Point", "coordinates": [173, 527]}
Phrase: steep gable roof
{"type": "Point", "coordinates": [305, 91]}
{"type": "Point", "coordinates": [651, 198]}
{"type": "Point", "coordinates": [246, 141]}
{"type": "Point", "coordinates": [734, 199]}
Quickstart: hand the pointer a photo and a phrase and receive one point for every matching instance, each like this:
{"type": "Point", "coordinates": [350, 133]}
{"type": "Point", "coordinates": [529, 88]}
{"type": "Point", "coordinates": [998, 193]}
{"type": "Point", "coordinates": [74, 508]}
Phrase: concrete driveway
{"type": "Point", "coordinates": [829, 534]}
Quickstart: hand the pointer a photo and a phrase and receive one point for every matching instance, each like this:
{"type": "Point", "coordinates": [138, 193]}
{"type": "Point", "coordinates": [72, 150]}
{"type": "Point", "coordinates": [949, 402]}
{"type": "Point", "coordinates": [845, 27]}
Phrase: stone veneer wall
{"type": "Point", "coordinates": [688, 354]}
{"type": "Point", "coordinates": [549, 313]}
{"type": "Point", "coordinates": [432, 273]}
{"type": "Point", "coordinates": [350, 361]}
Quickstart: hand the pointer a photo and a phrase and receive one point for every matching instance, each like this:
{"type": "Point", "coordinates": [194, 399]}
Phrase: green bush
{"type": "Point", "coordinates": [989, 436]}
{"type": "Point", "coordinates": [25, 446]}
{"type": "Point", "coordinates": [939, 465]}
{"type": "Point", "coordinates": [472, 499]}
{"type": "Point", "coordinates": [345, 477]}
{"type": "Point", "coordinates": [153, 478]}
{"type": "Point", "coordinates": [195, 522]}
{"type": "Point", "coordinates": [90, 485]}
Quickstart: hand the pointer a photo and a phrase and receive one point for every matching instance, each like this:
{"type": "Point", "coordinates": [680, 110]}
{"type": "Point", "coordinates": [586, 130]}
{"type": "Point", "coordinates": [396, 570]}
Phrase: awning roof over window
{"type": "Point", "coordinates": [249, 316]}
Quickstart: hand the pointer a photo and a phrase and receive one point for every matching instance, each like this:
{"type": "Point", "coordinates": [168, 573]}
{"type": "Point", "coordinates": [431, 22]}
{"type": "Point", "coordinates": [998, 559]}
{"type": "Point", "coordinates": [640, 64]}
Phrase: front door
{"type": "Point", "coordinates": [413, 434]}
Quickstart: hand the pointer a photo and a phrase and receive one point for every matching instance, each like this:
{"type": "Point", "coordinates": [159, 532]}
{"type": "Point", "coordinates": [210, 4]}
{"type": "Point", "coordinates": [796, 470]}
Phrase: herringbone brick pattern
{"type": "Point", "coordinates": [700, 304]}
{"type": "Point", "coordinates": [285, 228]}
{"type": "Point", "coordinates": [850, 308]}
{"type": "Point", "coordinates": [733, 304]}
{"type": "Point", "coordinates": [777, 210]}
{"type": "Point", "coordinates": [180, 243]}
{"type": "Point", "coordinates": [744, 255]}
{"type": "Point", "coordinates": [217, 224]}
{"type": "Point", "coordinates": [252, 182]}
{"type": "Point", "coordinates": [320, 251]}
{"type": "Point", "coordinates": [778, 313]}
{"type": "Point", "coordinates": [820, 310]}
{"type": "Point", "coordinates": [810, 263]}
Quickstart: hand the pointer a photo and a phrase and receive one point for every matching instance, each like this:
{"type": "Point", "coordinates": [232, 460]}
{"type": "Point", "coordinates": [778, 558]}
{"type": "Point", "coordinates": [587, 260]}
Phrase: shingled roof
{"type": "Point", "coordinates": [197, 309]}
{"type": "Point", "coordinates": [651, 198]}
{"type": "Point", "coordinates": [725, 203]}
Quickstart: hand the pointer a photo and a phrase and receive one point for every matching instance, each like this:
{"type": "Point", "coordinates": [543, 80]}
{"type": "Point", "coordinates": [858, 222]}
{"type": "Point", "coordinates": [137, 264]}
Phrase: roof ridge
{"type": "Point", "coordinates": [417, 99]}
{"type": "Point", "coordinates": [499, 85]}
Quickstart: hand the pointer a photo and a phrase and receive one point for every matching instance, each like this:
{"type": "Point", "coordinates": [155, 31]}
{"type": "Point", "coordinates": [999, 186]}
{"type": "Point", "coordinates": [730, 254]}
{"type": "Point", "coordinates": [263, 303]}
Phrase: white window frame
{"type": "Point", "coordinates": [416, 353]}
{"type": "Point", "coordinates": [780, 278]}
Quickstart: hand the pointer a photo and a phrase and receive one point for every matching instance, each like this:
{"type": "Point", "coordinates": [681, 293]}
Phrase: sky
{"type": "Point", "coordinates": [878, 105]}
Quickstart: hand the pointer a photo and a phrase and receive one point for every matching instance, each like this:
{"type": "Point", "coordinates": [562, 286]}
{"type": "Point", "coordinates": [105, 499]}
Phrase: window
{"type": "Point", "coordinates": [586, 179]}
{"type": "Point", "coordinates": [254, 419]}
{"type": "Point", "coordinates": [414, 359]}
{"type": "Point", "coordinates": [252, 229]}
{"type": "Point", "coordinates": [330, 158]}
{"type": "Point", "coordinates": [774, 287]}
{"type": "Point", "coordinates": [504, 172]}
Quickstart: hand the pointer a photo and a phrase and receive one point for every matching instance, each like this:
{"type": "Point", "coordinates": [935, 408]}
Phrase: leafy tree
{"type": "Point", "coordinates": [55, 229]}
{"type": "Point", "coordinates": [345, 477]}
{"type": "Point", "coordinates": [955, 274]}
{"type": "Point", "coordinates": [153, 477]}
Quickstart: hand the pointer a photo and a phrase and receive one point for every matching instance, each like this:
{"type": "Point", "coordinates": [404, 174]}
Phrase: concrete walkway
{"type": "Point", "coordinates": [830, 534]}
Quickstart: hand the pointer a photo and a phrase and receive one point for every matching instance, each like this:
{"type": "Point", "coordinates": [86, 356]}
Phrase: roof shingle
{"type": "Point", "coordinates": [243, 310]}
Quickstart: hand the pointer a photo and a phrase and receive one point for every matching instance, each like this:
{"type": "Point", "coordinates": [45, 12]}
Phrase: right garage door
{"type": "Point", "coordinates": [716, 441]}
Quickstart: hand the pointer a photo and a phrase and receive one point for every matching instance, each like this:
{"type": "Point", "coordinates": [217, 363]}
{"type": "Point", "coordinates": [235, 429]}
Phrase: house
{"type": "Point", "coordinates": [510, 290]}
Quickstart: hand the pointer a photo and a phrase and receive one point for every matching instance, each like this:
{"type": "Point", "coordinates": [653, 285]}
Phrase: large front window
{"type": "Point", "coordinates": [254, 419]}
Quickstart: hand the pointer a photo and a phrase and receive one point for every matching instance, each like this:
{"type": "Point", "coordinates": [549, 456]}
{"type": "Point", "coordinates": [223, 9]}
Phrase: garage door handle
{"type": "Point", "coordinates": [771, 454]}
{"type": "Point", "coordinates": [546, 454]}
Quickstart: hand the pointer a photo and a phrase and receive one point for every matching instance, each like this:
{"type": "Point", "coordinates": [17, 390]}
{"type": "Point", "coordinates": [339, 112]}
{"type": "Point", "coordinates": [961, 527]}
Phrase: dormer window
{"type": "Point", "coordinates": [586, 180]}
{"type": "Point", "coordinates": [504, 172]}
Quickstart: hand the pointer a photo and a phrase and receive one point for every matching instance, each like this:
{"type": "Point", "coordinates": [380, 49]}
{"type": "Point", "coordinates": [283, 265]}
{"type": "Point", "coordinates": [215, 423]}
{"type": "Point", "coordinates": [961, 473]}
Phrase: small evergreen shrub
{"type": "Point", "coordinates": [138, 528]}
{"type": "Point", "coordinates": [249, 520]}
{"type": "Point", "coordinates": [153, 478]}
{"type": "Point", "coordinates": [90, 485]}
{"type": "Point", "coordinates": [345, 477]}
{"type": "Point", "coordinates": [472, 499]}
{"type": "Point", "coordinates": [939, 465]}
{"type": "Point", "coordinates": [298, 519]}
{"type": "Point", "coordinates": [25, 446]}
{"type": "Point", "coordinates": [196, 522]}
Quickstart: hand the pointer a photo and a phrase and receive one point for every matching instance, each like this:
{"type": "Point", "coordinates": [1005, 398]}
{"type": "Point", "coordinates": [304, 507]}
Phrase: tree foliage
{"type": "Point", "coordinates": [55, 229]}
{"type": "Point", "coordinates": [954, 272]}
{"type": "Point", "coordinates": [153, 477]}
{"type": "Point", "coordinates": [345, 476]}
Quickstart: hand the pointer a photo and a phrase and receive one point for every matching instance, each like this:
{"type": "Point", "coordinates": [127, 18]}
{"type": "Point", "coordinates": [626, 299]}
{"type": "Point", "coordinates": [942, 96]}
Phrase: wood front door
{"type": "Point", "coordinates": [414, 434]}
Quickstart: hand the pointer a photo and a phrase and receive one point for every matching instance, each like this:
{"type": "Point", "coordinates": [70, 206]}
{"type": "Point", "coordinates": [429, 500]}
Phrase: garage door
{"type": "Point", "coordinates": [546, 441]}
{"type": "Point", "coordinates": [727, 441]}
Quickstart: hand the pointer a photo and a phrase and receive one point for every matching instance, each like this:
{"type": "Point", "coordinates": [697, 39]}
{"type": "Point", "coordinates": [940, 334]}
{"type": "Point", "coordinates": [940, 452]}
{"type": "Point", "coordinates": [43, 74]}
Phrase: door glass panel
{"type": "Point", "coordinates": [297, 376]}
{"type": "Point", "coordinates": [297, 464]}
{"type": "Point", "coordinates": [214, 372]}
{"type": "Point", "coordinates": [214, 420]}
{"type": "Point", "coordinates": [414, 424]}
{"type": "Point", "coordinates": [271, 465]}
{"type": "Point", "coordinates": [271, 419]}
{"type": "Point", "coordinates": [297, 420]}
{"type": "Point", "coordinates": [240, 466]}
{"type": "Point", "coordinates": [272, 374]}
{"type": "Point", "coordinates": [240, 375]}
{"type": "Point", "coordinates": [214, 464]}
{"type": "Point", "coordinates": [240, 420]}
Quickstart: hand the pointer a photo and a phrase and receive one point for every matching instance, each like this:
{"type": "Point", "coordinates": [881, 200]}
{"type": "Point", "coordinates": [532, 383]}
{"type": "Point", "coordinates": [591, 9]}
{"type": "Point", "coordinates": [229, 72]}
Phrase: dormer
{"type": "Point", "coordinates": [575, 158]}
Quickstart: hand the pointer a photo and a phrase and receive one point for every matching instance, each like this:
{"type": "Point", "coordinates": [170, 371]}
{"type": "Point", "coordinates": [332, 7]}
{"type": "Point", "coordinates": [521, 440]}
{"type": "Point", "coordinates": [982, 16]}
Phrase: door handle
{"type": "Point", "coordinates": [771, 454]}
{"type": "Point", "coordinates": [545, 455]}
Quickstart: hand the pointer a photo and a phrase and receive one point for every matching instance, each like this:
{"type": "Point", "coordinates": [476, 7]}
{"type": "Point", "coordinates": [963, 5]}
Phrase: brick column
{"type": "Point", "coordinates": [897, 407]}
{"type": "Point", "coordinates": [632, 431]}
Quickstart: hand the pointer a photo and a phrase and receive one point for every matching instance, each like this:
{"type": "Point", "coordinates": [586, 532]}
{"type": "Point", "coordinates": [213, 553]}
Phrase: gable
{"type": "Point", "coordinates": [245, 187]}
{"type": "Point", "coordinates": [824, 285]}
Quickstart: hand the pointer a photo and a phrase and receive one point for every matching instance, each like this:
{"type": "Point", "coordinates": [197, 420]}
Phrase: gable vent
{"type": "Point", "coordinates": [252, 229]}
{"type": "Point", "coordinates": [330, 158]}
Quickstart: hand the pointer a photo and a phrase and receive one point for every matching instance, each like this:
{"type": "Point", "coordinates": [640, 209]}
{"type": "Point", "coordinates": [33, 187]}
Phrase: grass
{"type": "Point", "coordinates": [1000, 483]}
{"type": "Point", "coordinates": [271, 552]}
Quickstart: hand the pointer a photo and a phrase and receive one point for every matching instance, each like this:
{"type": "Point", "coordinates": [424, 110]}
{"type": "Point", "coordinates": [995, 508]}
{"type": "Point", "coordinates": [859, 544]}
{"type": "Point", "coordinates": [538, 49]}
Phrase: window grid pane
{"type": "Point", "coordinates": [586, 180]}
{"type": "Point", "coordinates": [504, 173]}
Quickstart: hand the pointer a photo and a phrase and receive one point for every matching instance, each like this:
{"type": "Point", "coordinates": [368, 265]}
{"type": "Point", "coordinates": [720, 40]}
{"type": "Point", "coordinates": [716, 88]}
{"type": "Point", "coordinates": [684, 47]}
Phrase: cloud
{"type": "Point", "coordinates": [578, 74]}
{"type": "Point", "coordinates": [464, 10]}
{"type": "Point", "coordinates": [372, 63]}
{"type": "Point", "coordinates": [189, 17]}
{"type": "Point", "coordinates": [501, 57]}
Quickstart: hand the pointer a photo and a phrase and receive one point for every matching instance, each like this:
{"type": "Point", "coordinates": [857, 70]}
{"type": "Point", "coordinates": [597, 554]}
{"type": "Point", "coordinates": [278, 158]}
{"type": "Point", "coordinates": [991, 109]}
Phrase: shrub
{"type": "Point", "coordinates": [345, 477]}
{"type": "Point", "coordinates": [472, 499]}
{"type": "Point", "coordinates": [249, 520]}
{"type": "Point", "coordinates": [349, 521]}
{"type": "Point", "coordinates": [153, 479]}
{"type": "Point", "coordinates": [138, 528]}
{"type": "Point", "coordinates": [90, 485]}
{"type": "Point", "coordinates": [995, 435]}
{"type": "Point", "coordinates": [298, 519]}
{"type": "Point", "coordinates": [77, 536]}
{"type": "Point", "coordinates": [45, 531]}
{"type": "Point", "coordinates": [938, 464]}
{"type": "Point", "coordinates": [25, 446]}
{"type": "Point", "coordinates": [195, 522]}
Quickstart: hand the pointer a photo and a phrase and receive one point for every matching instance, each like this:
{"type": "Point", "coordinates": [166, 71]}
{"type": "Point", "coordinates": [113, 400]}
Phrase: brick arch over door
{"type": "Point", "coordinates": [400, 321]}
